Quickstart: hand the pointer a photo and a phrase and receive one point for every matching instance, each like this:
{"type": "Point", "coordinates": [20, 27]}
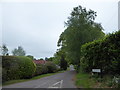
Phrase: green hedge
{"type": "Point", "coordinates": [103, 54]}
{"type": "Point", "coordinates": [17, 67]}
{"type": "Point", "coordinates": [51, 67]}
{"type": "Point", "coordinates": [45, 69]}
{"type": "Point", "coordinates": [41, 69]}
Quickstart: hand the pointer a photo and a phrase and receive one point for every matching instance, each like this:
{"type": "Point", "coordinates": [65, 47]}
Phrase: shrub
{"type": "Point", "coordinates": [41, 69]}
{"type": "Point", "coordinates": [45, 69]}
{"type": "Point", "coordinates": [51, 67]}
{"type": "Point", "coordinates": [38, 69]}
{"type": "Point", "coordinates": [103, 54]}
{"type": "Point", "coordinates": [17, 67]}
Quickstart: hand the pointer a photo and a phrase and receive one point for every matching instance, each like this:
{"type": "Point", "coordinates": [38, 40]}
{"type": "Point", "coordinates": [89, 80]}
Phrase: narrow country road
{"type": "Point", "coordinates": [60, 80]}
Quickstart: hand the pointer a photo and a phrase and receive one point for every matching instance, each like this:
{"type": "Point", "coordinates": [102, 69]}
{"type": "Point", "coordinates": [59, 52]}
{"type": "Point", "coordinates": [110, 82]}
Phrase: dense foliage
{"type": "Point", "coordinates": [21, 67]}
{"type": "Point", "coordinates": [51, 67]}
{"type": "Point", "coordinates": [103, 54]}
{"type": "Point", "coordinates": [31, 57]}
{"type": "Point", "coordinates": [80, 29]}
{"type": "Point", "coordinates": [63, 63]}
{"type": "Point", "coordinates": [60, 59]}
{"type": "Point", "coordinates": [41, 69]}
{"type": "Point", "coordinates": [17, 67]}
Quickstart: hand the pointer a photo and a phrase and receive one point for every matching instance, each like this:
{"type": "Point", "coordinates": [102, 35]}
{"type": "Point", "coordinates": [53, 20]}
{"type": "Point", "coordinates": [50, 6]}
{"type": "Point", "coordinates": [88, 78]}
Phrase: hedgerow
{"type": "Point", "coordinates": [17, 67]}
{"type": "Point", "coordinates": [103, 54]}
{"type": "Point", "coordinates": [41, 69]}
{"type": "Point", "coordinates": [51, 67]}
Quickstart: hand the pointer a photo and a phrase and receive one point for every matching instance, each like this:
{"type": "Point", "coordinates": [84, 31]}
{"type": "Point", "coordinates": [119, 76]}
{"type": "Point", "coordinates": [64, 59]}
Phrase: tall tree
{"type": "Point", "coordinates": [18, 51]}
{"type": "Point", "coordinates": [4, 50]}
{"type": "Point", "coordinates": [60, 59]}
{"type": "Point", "coordinates": [80, 29]}
{"type": "Point", "coordinates": [46, 58]}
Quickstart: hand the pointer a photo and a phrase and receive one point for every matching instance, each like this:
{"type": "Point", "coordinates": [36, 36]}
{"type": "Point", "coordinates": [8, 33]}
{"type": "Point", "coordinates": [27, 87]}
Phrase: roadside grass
{"type": "Point", "coordinates": [108, 82]}
{"type": "Point", "coordinates": [83, 80]}
{"type": "Point", "coordinates": [33, 78]}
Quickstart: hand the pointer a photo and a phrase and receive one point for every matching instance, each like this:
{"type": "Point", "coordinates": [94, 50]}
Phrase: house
{"type": "Point", "coordinates": [39, 61]}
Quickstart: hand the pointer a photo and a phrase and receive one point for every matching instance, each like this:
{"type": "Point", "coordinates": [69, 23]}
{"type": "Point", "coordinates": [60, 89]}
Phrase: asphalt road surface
{"type": "Point", "coordinates": [60, 80]}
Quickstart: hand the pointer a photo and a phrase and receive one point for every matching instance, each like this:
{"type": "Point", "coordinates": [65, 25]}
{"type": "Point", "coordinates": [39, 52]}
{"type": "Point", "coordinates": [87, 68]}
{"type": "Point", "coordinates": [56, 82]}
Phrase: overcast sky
{"type": "Point", "coordinates": [36, 26]}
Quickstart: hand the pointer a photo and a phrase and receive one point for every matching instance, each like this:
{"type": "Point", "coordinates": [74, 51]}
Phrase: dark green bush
{"type": "Point", "coordinates": [17, 67]}
{"type": "Point", "coordinates": [63, 64]}
{"type": "Point", "coordinates": [103, 54]}
{"type": "Point", "coordinates": [51, 67]}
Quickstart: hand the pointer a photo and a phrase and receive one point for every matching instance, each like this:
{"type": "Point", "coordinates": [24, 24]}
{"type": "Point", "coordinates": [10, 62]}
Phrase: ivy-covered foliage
{"type": "Point", "coordinates": [103, 54]}
{"type": "Point", "coordinates": [17, 67]}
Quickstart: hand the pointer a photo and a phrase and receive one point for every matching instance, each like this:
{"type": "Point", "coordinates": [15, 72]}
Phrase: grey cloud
{"type": "Point", "coordinates": [37, 26]}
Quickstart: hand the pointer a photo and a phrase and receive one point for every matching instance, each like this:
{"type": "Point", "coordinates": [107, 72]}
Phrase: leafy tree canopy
{"type": "Point", "coordinates": [4, 50]}
{"type": "Point", "coordinates": [80, 29]}
{"type": "Point", "coordinates": [18, 51]}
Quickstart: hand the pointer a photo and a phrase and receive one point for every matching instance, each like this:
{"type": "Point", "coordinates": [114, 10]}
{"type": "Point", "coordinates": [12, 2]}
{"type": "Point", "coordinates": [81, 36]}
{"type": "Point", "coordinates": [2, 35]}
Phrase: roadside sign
{"type": "Point", "coordinates": [72, 67]}
{"type": "Point", "coordinates": [96, 70]}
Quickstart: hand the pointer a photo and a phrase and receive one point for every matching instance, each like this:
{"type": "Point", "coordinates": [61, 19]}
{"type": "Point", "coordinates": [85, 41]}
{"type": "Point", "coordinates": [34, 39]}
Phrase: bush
{"type": "Point", "coordinates": [17, 67]}
{"type": "Point", "coordinates": [103, 54]}
{"type": "Point", "coordinates": [51, 67]}
{"type": "Point", "coordinates": [41, 69]}
{"type": "Point", "coordinates": [45, 69]}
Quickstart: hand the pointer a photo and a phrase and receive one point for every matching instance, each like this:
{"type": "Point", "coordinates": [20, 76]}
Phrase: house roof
{"type": "Point", "coordinates": [39, 61]}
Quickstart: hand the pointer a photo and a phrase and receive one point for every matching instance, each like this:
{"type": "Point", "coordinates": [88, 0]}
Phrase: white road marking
{"type": "Point", "coordinates": [61, 83]}
{"type": "Point", "coordinates": [53, 86]}
{"type": "Point", "coordinates": [46, 83]}
{"type": "Point", "coordinates": [40, 85]}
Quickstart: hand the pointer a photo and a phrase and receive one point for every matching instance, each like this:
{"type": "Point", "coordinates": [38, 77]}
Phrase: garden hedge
{"type": "Point", "coordinates": [41, 69]}
{"type": "Point", "coordinates": [17, 67]}
{"type": "Point", "coordinates": [51, 67]}
{"type": "Point", "coordinates": [103, 54]}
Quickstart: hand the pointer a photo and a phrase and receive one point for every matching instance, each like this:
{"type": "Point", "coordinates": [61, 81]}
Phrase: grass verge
{"type": "Point", "coordinates": [83, 80]}
{"type": "Point", "coordinates": [34, 78]}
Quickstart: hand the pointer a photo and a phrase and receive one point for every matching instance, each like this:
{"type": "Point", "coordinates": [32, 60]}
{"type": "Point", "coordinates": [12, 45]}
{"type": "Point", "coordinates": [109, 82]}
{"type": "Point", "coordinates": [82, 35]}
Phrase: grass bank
{"type": "Point", "coordinates": [34, 78]}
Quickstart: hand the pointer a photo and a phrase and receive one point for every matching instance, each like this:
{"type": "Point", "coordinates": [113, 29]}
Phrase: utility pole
{"type": "Point", "coordinates": [119, 15]}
